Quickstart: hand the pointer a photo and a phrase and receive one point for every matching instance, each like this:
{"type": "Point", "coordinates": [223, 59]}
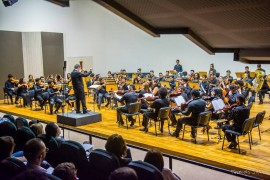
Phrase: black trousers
{"type": "Point", "coordinates": [80, 99]}
{"type": "Point", "coordinates": [230, 137]}
{"type": "Point", "coordinates": [57, 101]}
{"type": "Point", "coordinates": [25, 97]}
{"type": "Point", "coordinates": [186, 120]}
{"type": "Point", "coordinates": [172, 116]}
{"type": "Point", "coordinates": [151, 115]}
{"type": "Point", "coordinates": [10, 94]}
{"type": "Point", "coordinates": [262, 93]}
{"type": "Point", "coordinates": [119, 112]}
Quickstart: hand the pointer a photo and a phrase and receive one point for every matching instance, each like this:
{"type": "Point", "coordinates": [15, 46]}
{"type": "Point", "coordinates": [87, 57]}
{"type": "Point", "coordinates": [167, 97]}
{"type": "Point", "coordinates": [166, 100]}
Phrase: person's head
{"type": "Point", "coordinates": [101, 81]}
{"type": "Point", "coordinates": [160, 74]}
{"type": "Point", "coordinates": [30, 76]}
{"type": "Point", "coordinates": [116, 145]}
{"type": "Point", "coordinates": [65, 171]}
{"type": "Point", "coordinates": [35, 151]}
{"type": "Point", "coordinates": [196, 76]}
{"type": "Point", "coordinates": [37, 128]}
{"type": "Point", "coordinates": [239, 83]}
{"type": "Point", "coordinates": [37, 80]}
{"type": "Point", "coordinates": [77, 67]}
{"type": "Point", "coordinates": [131, 87]}
{"type": "Point", "coordinates": [123, 173]}
{"type": "Point", "coordinates": [10, 76]}
{"type": "Point", "coordinates": [68, 75]}
{"type": "Point", "coordinates": [191, 71]}
{"type": "Point", "coordinates": [162, 92]}
{"type": "Point", "coordinates": [259, 66]}
{"type": "Point", "coordinates": [50, 83]}
{"type": "Point", "coordinates": [212, 66]}
{"type": "Point", "coordinates": [6, 147]}
{"type": "Point", "coordinates": [184, 80]}
{"type": "Point", "coordinates": [177, 61]}
{"type": "Point", "coordinates": [240, 99]}
{"type": "Point", "coordinates": [42, 79]}
{"type": "Point", "coordinates": [155, 158]}
{"type": "Point", "coordinates": [181, 88]}
{"type": "Point", "coordinates": [218, 93]}
{"type": "Point", "coordinates": [246, 68]}
{"type": "Point", "coordinates": [52, 129]}
{"type": "Point", "coordinates": [220, 79]}
{"type": "Point", "coordinates": [152, 72]}
{"type": "Point", "coordinates": [146, 87]}
{"type": "Point", "coordinates": [233, 87]}
{"type": "Point", "coordinates": [212, 76]}
{"type": "Point", "coordinates": [228, 73]}
{"type": "Point", "coordinates": [195, 93]}
{"type": "Point", "coordinates": [123, 80]}
{"type": "Point", "coordinates": [139, 71]}
{"type": "Point", "coordinates": [204, 77]}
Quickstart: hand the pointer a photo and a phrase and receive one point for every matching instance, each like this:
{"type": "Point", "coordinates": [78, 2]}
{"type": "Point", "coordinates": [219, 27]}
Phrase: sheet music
{"type": "Point", "coordinates": [218, 104]}
{"type": "Point", "coordinates": [148, 95]}
{"type": "Point", "coordinates": [95, 86]}
{"type": "Point", "coordinates": [179, 100]}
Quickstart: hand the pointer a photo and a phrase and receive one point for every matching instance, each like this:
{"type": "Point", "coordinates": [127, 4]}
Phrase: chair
{"type": "Point", "coordinates": [145, 170]}
{"type": "Point", "coordinates": [20, 122]}
{"type": "Point", "coordinates": [7, 129]}
{"type": "Point", "coordinates": [246, 129]}
{"type": "Point", "coordinates": [133, 110]}
{"type": "Point", "coordinates": [163, 114]}
{"type": "Point", "coordinates": [10, 117]}
{"type": "Point", "coordinates": [52, 145]}
{"type": "Point", "coordinates": [71, 151]}
{"type": "Point", "coordinates": [6, 97]}
{"type": "Point", "coordinates": [23, 135]}
{"type": "Point", "coordinates": [99, 159]}
{"type": "Point", "coordinates": [258, 121]}
{"type": "Point", "coordinates": [203, 121]}
{"type": "Point", "coordinates": [11, 167]}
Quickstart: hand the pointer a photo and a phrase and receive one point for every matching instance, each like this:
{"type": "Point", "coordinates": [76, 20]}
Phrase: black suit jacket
{"type": "Point", "coordinates": [77, 82]}
{"type": "Point", "coordinates": [129, 97]}
{"type": "Point", "coordinates": [160, 103]}
{"type": "Point", "coordinates": [239, 114]}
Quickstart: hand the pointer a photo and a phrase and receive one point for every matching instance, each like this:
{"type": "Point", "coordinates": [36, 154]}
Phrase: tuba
{"type": "Point", "coordinates": [258, 80]}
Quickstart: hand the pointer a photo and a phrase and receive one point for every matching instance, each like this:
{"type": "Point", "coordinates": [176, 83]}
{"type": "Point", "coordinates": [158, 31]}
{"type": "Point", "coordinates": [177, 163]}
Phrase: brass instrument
{"type": "Point", "coordinates": [258, 81]}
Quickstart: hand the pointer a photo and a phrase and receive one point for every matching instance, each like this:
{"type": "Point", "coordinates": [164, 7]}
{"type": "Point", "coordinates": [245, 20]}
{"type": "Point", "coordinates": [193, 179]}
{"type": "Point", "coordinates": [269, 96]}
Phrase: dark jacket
{"type": "Point", "coordinates": [195, 107]}
{"type": "Point", "coordinates": [239, 114]}
{"type": "Point", "coordinates": [160, 103]}
{"type": "Point", "coordinates": [129, 97]}
{"type": "Point", "coordinates": [77, 82]}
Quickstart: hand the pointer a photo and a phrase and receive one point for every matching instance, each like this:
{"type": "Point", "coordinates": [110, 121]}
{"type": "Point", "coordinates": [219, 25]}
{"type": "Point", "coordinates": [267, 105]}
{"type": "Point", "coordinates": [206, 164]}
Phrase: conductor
{"type": "Point", "coordinates": [77, 82]}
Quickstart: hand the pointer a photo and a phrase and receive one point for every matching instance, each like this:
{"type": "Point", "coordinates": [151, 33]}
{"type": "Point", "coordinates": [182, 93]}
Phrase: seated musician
{"type": "Point", "coordinates": [184, 82]}
{"type": "Point", "coordinates": [31, 78]}
{"type": "Point", "coordinates": [212, 82]}
{"type": "Point", "coordinates": [139, 73]}
{"type": "Point", "coordinates": [195, 107]}
{"type": "Point", "coordinates": [129, 97]}
{"type": "Point", "coordinates": [145, 89]}
{"type": "Point", "coordinates": [240, 88]}
{"type": "Point", "coordinates": [161, 77]}
{"type": "Point", "coordinates": [10, 87]}
{"type": "Point", "coordinates": [247, 74]}
{"type": "Point", "coordinates": [233, 94]}
{"type": "Point", "coordinates": [68, 77]}
{"type": "Point", "coordinates": [196, 78]}
{"type": "Point", "coordinates": [216, 94]}
{"type": "Point", "coordinates": [54, 99]}
{"type": "Point", "coordinates": [39, 95]}
{"type": "Point", "coordinates": [228, 74]}
{"type": "Point", "coordinates": [42, 79]}
{"type": "Point", "coordinates": [151, 74]}
{"type": "Point", "coordinates": [263, 89]}
{"type": "Point", "coordinates": [163, 101]}
{"type": "Point", "coordinates": [175, 74]}
{"type": "Point", "coordinates": [238, 114]}
{"type": "Point", "coordinates": [176, 110]}
{"type": "Point", "coordinates": [212, 70]}
{"type": "Point", "coordinates": [137, 79]}
{"type": "Point", "coordinates": [192, 74]}
{"type": "Point", "coordinates": [102, 93]}
{"type": "Point", "coordinates": [121, 86]}
{"type": "Point", "coordinates": [22, 92]}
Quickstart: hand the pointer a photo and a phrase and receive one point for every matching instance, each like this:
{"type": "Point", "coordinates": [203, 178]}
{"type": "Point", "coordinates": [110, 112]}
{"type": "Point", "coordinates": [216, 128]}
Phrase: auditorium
{"type": "Point", "coordinates": [134, 89]}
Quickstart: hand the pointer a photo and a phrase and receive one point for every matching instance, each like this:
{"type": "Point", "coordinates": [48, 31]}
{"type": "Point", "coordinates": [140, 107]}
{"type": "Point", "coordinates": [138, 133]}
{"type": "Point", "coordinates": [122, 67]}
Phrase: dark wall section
{"type": "Point", "coordinates": [53, 53]}
{"type": "Point", "coordinates": [11, 56]}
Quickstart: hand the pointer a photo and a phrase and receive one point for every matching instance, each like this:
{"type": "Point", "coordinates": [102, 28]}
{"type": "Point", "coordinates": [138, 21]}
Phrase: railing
{"type": "Point", "coordinates": [170, 157]}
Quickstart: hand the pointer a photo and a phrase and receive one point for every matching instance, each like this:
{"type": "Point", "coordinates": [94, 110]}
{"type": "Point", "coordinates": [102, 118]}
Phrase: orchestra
{"type": "Point", "coordinates": [152, 93]}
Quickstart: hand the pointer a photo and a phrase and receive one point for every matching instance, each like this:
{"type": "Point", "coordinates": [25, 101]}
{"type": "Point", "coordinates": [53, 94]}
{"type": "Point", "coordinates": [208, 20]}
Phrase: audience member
{"type": "Point", "coordinates": [32, 174]}
{"type": "Point", "coordinates": [37, 128]}
{"type": "Point", "coordinates": [6, 147]}
{"type": "Point", "coordinates": [53, 130]}
{"type": "Point", "coordinates": [35, 152]}
{"type": "Point", "coordinates": [117, 145]}
{"type": "Point", "coordinates": [123, 173]}
{"type": "Point", "coordinates": [155, 158]}
{"type": "Point", "coordinates": [65, 171]}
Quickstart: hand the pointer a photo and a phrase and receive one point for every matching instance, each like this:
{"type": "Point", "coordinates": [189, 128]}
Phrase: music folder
{"type": "Point", "coordinates": [148, 95]}
{"type": "Point", "coordinates": [218, 104]}
{"type": "Point", "coordinates": [179, 100]}
{"type": "Point", "coordinates": [95, 86]}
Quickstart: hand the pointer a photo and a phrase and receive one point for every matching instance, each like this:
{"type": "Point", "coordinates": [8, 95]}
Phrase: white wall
{"type": "Point", "coordinates": [91, 30]}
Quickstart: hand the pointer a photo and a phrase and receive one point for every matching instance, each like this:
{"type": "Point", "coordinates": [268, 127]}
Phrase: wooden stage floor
{"type": "Point", "coordinates": [255, 162]}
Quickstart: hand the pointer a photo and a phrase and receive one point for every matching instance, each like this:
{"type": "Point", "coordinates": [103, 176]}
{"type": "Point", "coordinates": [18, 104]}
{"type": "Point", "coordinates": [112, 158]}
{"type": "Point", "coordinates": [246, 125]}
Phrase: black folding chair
{"type": "Point", "coordinates": [133, 110]}
{"type": "Point", "coordinates": [163, 114]}
{"type": "Point", "coordinates": [203, 121]}
{"type": "Point", "coordinates": [246, 129]}
{"type": "Point", "coordinates": [258, 121]}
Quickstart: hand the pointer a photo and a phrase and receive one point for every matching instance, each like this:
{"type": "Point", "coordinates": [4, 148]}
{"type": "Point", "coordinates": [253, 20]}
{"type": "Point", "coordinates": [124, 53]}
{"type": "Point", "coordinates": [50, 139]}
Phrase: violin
{"type": "Point", "coordinates": [149, 98]}
{"type": "Point", "coordinates": [174, 94]}
{"type": "Point", "coordinates": [185, 104]}
{"type": "Point", "coordinates": [13, 80]}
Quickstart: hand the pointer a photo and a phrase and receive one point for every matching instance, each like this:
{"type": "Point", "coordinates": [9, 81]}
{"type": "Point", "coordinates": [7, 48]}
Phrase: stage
{"type": "Point", "coordinates": [253, 162]}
